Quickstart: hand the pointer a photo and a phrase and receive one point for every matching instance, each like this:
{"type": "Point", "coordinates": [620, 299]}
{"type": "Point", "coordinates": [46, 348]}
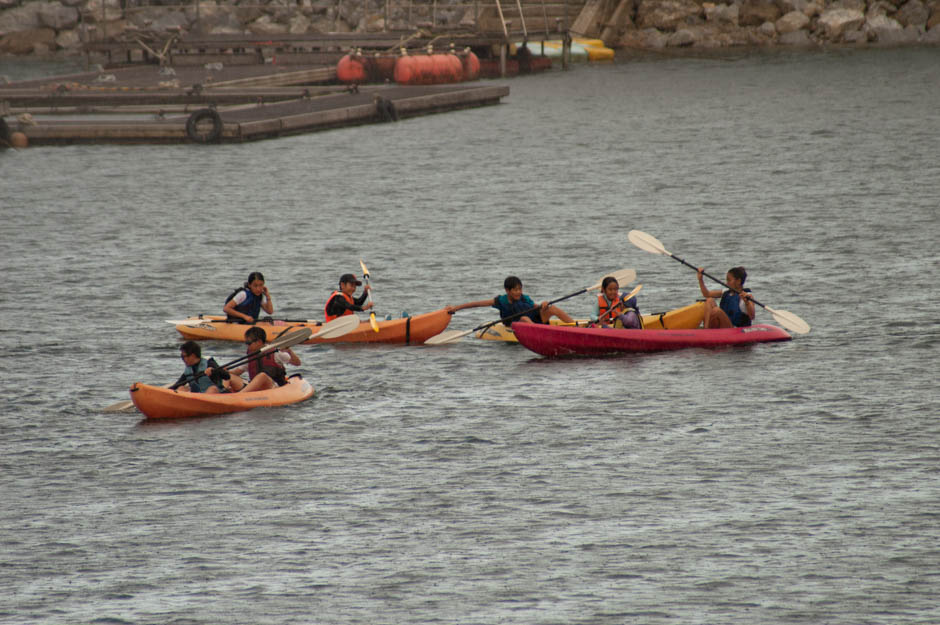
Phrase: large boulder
{"type": "Point", "coordinates": [34, 40]}
{"type": "Point", "coordinates": [20, 18]}
{"type": "Point", "coordinates": [934, 19]}
{"type": "Point", "coordinates": [647, 38]}
{"type": "Point", "coordinates": [884, 29]}
{"type": "Point", "coordinates": [834, 23]}
{"type": "Point", "coordinates": [668, 14]}
{"type": "Point", "coordinates": [56, 16]}
{"type": "Point", "coordinates": [913, 13]}
{"type": "Point", "coordinates": [265, 25]}
{"type": "Point", "coordinates": [721, 14]}
{"type": "Point", "coordinates": [96, 11]}
{"type": "Point", "coordinates": [756, 12]}
{"type": "Point", "coordinates": [794, 20]}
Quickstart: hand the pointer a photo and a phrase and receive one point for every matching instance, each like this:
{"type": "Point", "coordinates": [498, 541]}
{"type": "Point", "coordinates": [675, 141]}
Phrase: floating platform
{"type": "Point", "coordinates": [253, 122]}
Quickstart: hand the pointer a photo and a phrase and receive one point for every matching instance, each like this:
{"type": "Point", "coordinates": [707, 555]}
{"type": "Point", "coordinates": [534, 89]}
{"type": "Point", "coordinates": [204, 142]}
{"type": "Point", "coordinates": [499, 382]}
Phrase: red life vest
{"type": "Point", "coordinates": [267, 364]}
{"type": "Point", "coordinates": [327, 316]}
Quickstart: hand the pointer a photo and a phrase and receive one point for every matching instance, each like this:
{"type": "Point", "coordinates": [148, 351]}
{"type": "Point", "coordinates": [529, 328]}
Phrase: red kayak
{"type": "Point", "coordinates": [549, 340]}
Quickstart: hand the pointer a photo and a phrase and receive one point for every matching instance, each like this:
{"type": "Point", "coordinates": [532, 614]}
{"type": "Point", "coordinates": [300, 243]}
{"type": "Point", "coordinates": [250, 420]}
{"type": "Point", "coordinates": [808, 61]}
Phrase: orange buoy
{"type": "Point", "coordinates": [456, 66]}
{"type": "Point", "coordinates": [351, 69]}
{"type": "Point", "coordinates": [471, 65]}
{"type": "Point", "coordinates": [405, 72]}
{"type": "Point", "coordinates": [442, 69]}
{"type": "Point", "coordinates": [18, 140]}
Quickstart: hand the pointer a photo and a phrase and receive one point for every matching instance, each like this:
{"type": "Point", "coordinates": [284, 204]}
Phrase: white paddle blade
{"type": "Point", "coordinates": [647, 242]}
{"type": "Point", "coordinates": [121, 406]}
{"type": "Point", "coordinates": [622, 276]}
{"type": "Point", "coordinates": [338, 327]}
{"type": "Point", "coordinates": [789, 321]}
{"type": "Point", "coordinates": [289, 340]}
{"type": "Point", "coordinates": [447, 337]}
{"type": "Point", "coordinates": [634, 292]}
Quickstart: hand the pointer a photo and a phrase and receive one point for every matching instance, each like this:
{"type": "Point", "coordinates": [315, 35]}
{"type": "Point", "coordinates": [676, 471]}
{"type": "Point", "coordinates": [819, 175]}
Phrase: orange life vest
{"type": "Point", "coordinates": [327, 316]}
{"type": "Point", "coordinates": [603, 307]}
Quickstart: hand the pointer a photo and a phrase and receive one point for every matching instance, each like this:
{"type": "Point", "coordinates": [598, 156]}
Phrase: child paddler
{"type": "Point", "coordinates": [515, 302]}
{"type": "Point", "coordinates": [204, 375]}
{"type": "Point", "coordinates": [610, 307]}
{"type": "Point", "coordinates": [342, 302]}
{"type": "Point", "coordinates": [268, 370]}
{"type": "Point", "coordinates": [735, 308]}
{"type": "Point", "coordinates": [245, 303]}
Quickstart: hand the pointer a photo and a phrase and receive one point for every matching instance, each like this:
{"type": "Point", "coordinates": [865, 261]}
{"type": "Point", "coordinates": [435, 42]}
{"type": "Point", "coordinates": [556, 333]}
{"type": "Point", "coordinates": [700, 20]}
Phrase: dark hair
{"type": "Point", "coordinates": [511, 282]}
{"type": "Point", "coordinates": [739, 273]}
{"type": "Point", "coordinates": [256, 334]}
{"type": "Point", "coordinates": [254, 275]}
{"type": "Point", "coordinates": [607, 282]}
{"type": "Point", "coordinates": [191, 348]}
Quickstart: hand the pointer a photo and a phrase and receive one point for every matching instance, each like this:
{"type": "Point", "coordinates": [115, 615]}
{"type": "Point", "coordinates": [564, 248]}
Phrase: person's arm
{"type": "Point", "coordinates": [477, 304]}
{"type": "Point", "coordinates": [266, 304]}
{"type": "Point", "coordinates": [748, 304]}
{"type": "Point", "coordinates": [359, 300]}
{"type": "Point", "coordinates": [701, 285]}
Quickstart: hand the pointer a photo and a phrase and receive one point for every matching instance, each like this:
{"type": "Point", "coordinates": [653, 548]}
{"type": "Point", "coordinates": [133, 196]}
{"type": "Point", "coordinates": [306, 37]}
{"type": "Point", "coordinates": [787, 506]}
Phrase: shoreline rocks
{"type": "Point", "coordinates": [53, 28]}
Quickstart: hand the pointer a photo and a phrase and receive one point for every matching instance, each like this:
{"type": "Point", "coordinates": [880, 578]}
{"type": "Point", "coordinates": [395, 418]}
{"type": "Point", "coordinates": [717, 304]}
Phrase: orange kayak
{"type": "Point", "coordinates": [159, 402]}
{"type": "Point", "coordinates": [407, 330]}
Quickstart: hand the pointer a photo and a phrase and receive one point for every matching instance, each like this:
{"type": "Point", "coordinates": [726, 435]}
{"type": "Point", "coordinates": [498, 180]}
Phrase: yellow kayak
{"type": "Point", "coordinates": [685, 318]}
{"type": "Point", "coordinates": [581, 49]}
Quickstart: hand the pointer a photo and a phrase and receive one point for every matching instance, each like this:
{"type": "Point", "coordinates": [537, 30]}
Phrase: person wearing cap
{"type": "Point", "coordinates": [342, 302]}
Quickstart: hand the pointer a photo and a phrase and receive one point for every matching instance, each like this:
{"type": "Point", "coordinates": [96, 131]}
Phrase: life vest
{"type": "Point", "coordinates": [326, 309]}
{"type": "Point", "coordinates": [604, 306]}
{"type": "Point", "coordinates": [252, 304]}
{"type": "Point", "coordinates": [730, 303]}
{"type": "Point", "coordinates": [508, 309]}
{"type": "Point", "coordinates": [267, 364]}
{"type": "Point", "coordinates": [202, 383]}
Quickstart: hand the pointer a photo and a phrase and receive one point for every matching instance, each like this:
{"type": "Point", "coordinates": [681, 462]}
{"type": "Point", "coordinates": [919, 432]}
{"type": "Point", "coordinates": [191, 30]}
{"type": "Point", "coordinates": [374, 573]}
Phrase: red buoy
{"type": "Point", "coordinates": [351, 69]}
{"type": "Point", "coordinates": [471, 65]}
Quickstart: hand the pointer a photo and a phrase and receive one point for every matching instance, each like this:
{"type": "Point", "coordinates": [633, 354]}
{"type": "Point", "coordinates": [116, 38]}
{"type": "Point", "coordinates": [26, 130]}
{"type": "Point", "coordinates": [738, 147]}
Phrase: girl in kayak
{"type": "Point", "coordinates": [205, 375]}
{"type": "Point", "coordinates": [245, 304]}
{"type": "Point", "coordinates": [518, 305]}
{"type": "Point", "coordinates": [342, 302]}
{"type": "Point", "coordinates": [267, 371]}
{"type": "Point", "coordinates": [735, 308]}
{"type": "Point", "coordinates": [610, 307]}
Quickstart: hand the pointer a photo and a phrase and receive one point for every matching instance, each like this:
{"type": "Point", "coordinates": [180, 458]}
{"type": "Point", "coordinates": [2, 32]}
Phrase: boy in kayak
{"type": "Point", "coordinates": [205, 375]}
{"type": "Point", "coordinates": [267, 371]}
{"type": "Point", "coordinates": [735, 308]}
{"type": "Point", "coordinates": [342, 302]}
{"type": "Point", "coordinates": [611, 307]}
{"type": "Point", "coordinates": [245, 304]}
{"type": "Point", "coordinates": [518, 305]}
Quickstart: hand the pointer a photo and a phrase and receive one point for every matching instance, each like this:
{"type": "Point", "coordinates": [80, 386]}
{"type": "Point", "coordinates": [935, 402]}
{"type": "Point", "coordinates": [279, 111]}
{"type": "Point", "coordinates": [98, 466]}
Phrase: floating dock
{"type": "Point", "coordinates": [215, 103]}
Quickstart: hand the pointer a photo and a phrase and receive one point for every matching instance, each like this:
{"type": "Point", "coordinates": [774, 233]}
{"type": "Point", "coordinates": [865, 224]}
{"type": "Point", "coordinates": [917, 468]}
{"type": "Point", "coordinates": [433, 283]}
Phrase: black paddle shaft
{"type": "Point", "coordinates": [711, 277]}
{"type": "Point", "coordinates": [526, 312]}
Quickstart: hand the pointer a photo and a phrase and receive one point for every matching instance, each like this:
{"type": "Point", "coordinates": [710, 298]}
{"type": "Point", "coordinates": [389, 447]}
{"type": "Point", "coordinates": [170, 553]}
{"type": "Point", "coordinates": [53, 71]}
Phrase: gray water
{"type": "Point", "coordinates": [478, 483]}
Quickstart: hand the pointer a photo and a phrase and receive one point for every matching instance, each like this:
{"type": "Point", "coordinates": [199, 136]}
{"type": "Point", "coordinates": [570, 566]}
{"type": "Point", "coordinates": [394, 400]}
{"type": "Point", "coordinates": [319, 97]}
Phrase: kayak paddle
{"type": "Point", "coordinates": [624, 276]}
{"type": "Point", "coordinates": [372, 321]}
{"type": "Point", "coordinates": [649, 243]}
{"type": "Point", "coordinates": [288, 340]}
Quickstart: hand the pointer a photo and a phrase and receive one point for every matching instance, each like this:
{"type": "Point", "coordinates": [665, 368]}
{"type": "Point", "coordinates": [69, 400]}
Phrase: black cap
{"type": "Point", "coordinates": [349, 278]}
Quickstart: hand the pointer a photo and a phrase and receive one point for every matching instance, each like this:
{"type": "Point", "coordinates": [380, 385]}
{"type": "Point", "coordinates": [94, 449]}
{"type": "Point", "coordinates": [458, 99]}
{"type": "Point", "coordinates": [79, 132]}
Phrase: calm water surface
{"type": "Point", "coordinates": [478, 483]}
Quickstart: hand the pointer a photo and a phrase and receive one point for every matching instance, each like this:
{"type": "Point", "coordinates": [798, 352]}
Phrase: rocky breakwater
{"type": "Point", "coordinates": [59, 27]}
{"type": "Point", "coordinates": [680, 23]}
